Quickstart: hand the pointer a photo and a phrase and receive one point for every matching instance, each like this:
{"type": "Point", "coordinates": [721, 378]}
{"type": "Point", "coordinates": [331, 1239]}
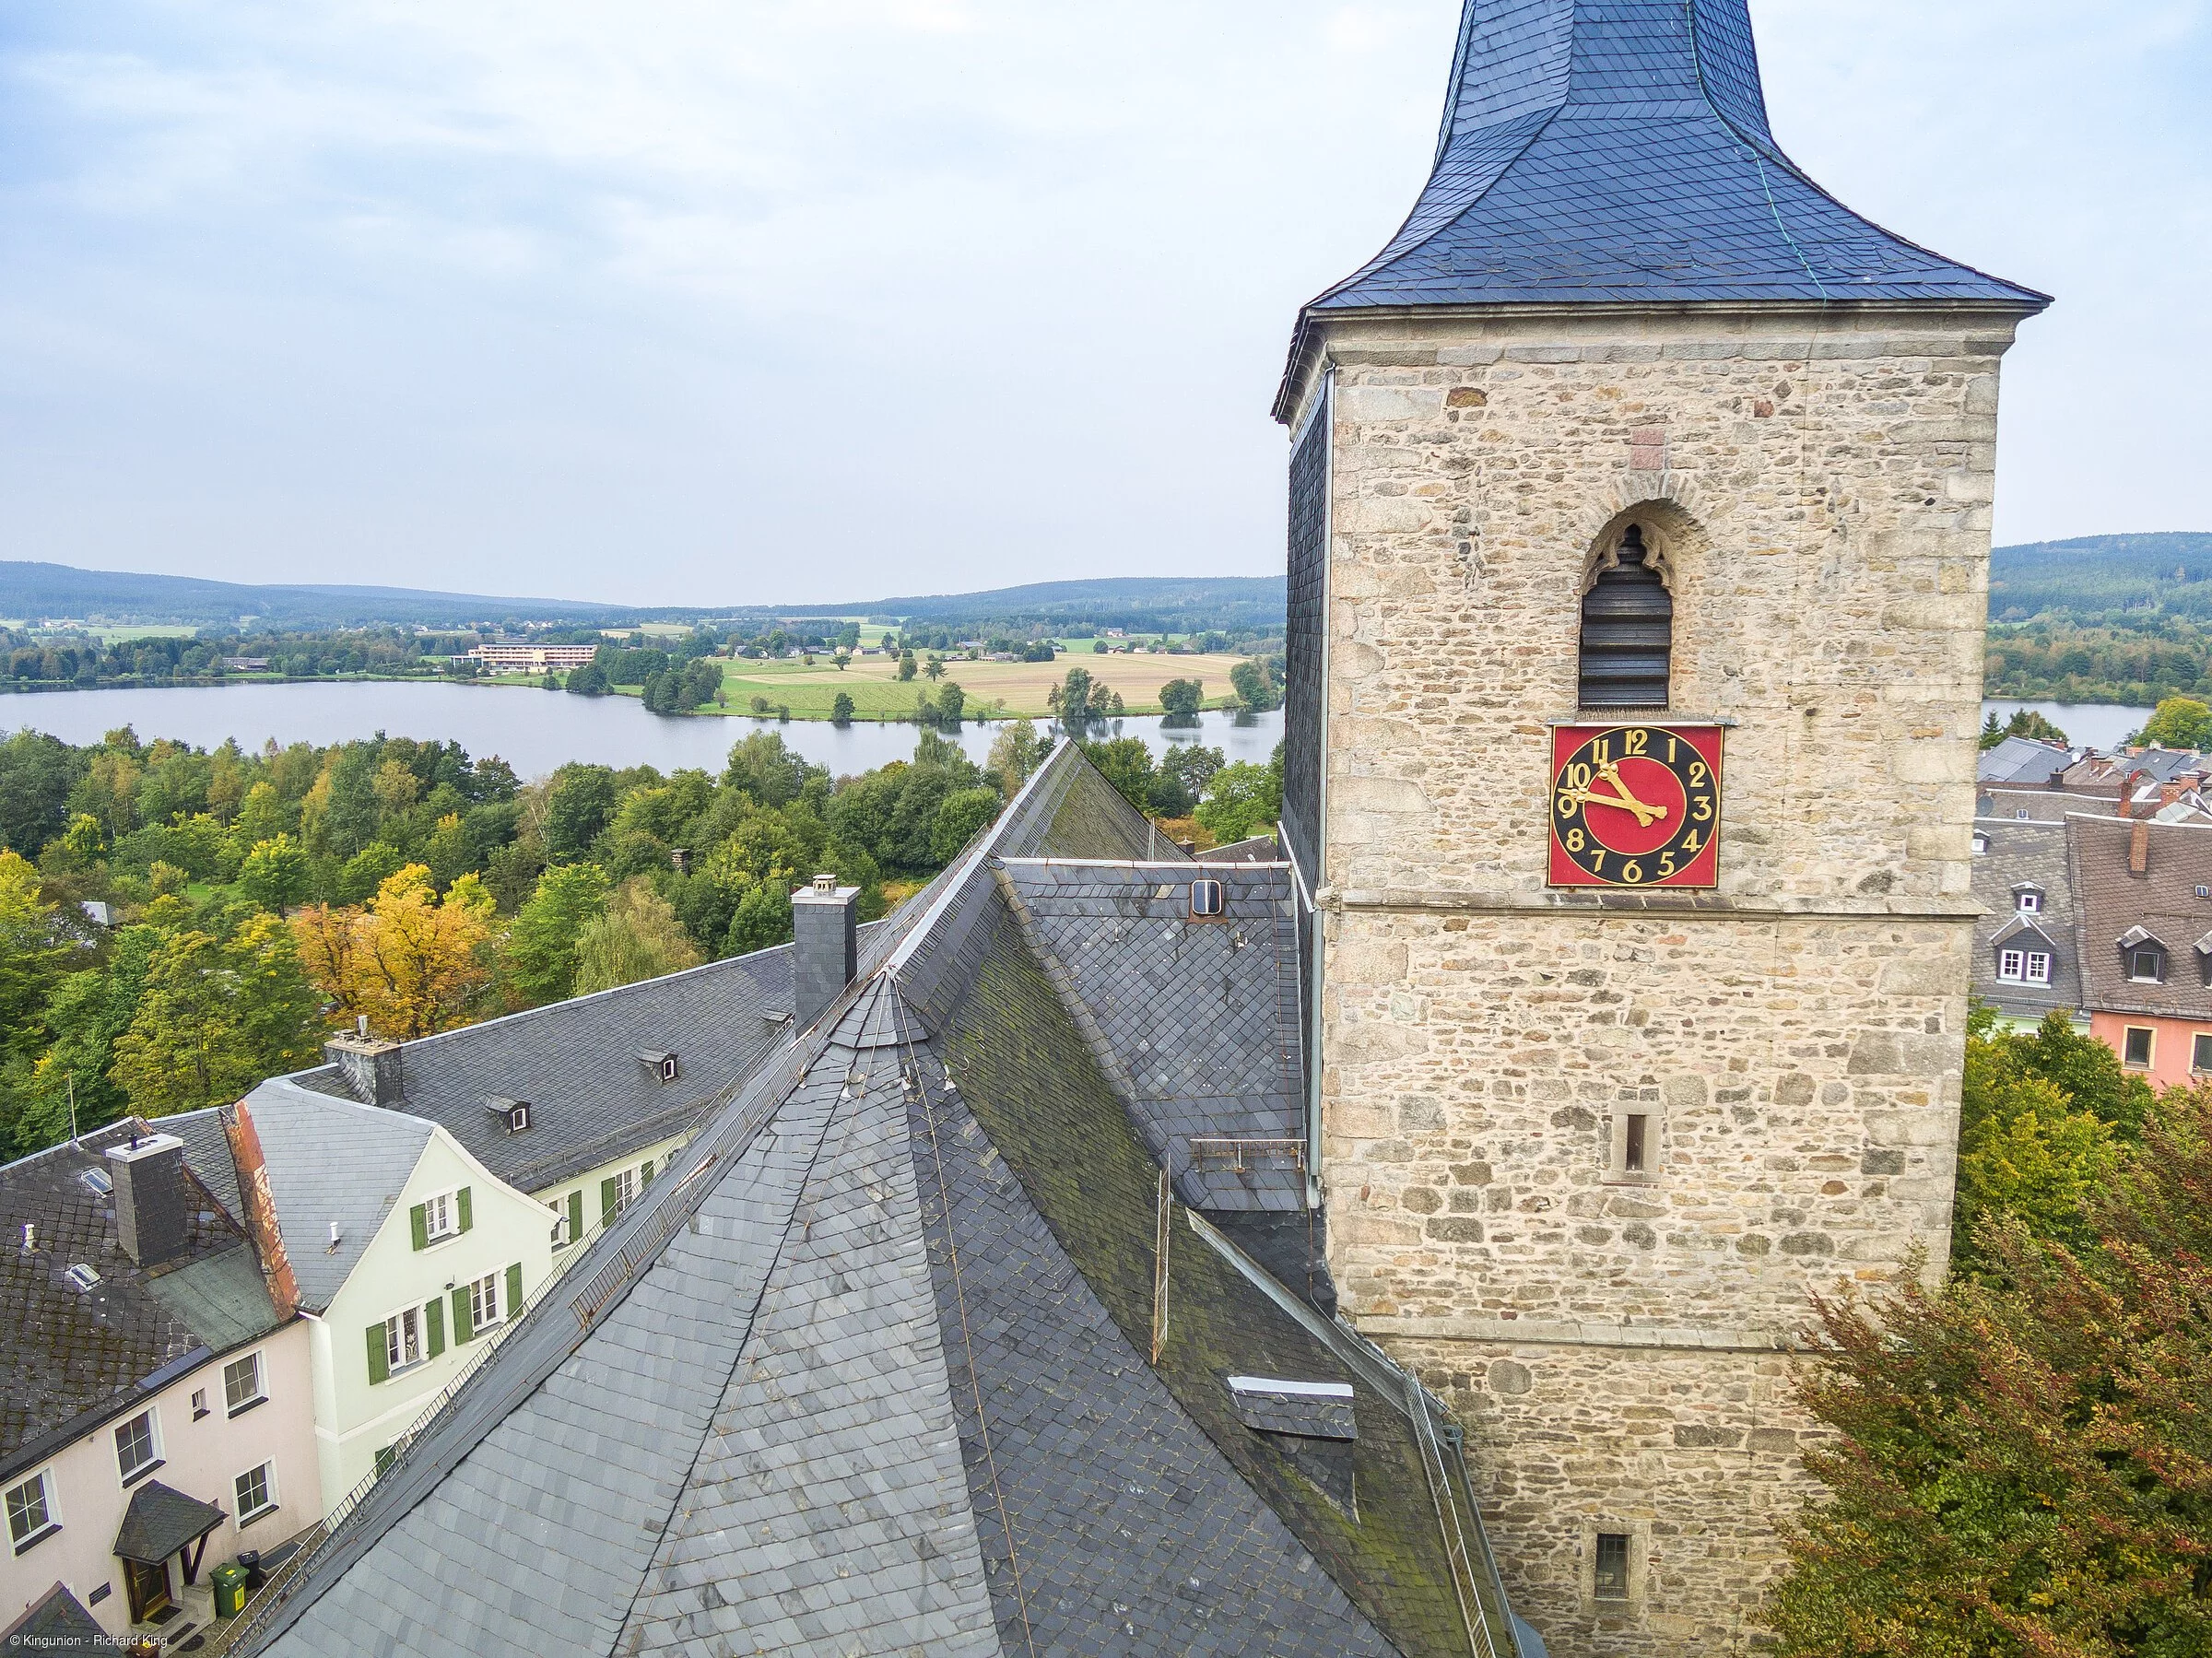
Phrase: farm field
{"type": "Point", "coordinates": [874, 684]}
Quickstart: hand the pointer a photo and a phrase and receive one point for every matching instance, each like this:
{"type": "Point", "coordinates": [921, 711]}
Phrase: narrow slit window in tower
{"type": "Point", "coordinates": [1627, 631]}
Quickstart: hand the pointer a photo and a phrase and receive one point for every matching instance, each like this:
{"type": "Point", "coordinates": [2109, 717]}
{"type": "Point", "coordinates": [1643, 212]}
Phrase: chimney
{"type": "Point", "coordinates": [371, 1066]}
{"type": "Point", "coordinates": [149, 1197]}
{"type": "Point", "coordinates": [2138, 848]}
{"type": "Point", "coordinates": [825, 946]}
{"type": "Point", "coordinates": [2170, 792]}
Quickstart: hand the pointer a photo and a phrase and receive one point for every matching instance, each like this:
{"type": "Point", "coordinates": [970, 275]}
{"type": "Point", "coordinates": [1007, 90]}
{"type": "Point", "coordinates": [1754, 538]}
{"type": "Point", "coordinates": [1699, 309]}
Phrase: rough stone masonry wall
{"type": "Point", "coordinates": [1820, 488]}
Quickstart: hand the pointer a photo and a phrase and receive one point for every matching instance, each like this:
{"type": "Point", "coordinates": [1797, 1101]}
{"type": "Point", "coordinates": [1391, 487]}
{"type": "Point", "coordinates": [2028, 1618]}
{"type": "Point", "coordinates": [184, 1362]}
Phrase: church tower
{"type": "Point", "coordinates": [1639, 505]}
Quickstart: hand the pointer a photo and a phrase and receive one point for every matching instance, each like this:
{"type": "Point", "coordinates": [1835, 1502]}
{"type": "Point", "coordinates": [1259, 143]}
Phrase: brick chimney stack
{"type": "Point", "coordinates": [2138, 848]}
{"type": "Point", "coordinates": [150, 1210]}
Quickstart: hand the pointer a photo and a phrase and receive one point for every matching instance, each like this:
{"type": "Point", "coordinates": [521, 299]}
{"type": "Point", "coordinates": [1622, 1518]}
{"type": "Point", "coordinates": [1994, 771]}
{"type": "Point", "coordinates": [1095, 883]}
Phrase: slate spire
{"type": "Point", "coordinates": [1618, 151]}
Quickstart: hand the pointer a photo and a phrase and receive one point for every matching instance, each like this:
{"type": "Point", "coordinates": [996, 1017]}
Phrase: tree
{"type": "Point", "coordinates": [578, 805]}
{"type": "Point", "coordinates": [30, 957]}
{"type": "Point", "coordinates": [843, 661]}
{"type": "Point", "coordinates": [935, 666]}
{"type": "Point", "coordinates": [1192, 766]}
{"type": "Point", "coordinates": [90, 1012]}
{"type": "Point", "coordinates": [1255, 687]}
{"type": "Point", "coordinates": [263, 815]}
{"type": "Point", "coordinates": [1241, 801]}
{"type": "Point", "coordinates": [762, 918]}
{"type": "Point", "coordinates": [636, 937]}
{"type": "Point", "coordinates": [960, 815]}
{"type": "Point", "coordinates": [413, 964]}
{"type": "Point", "coordinates": [1075, 709]}
{"type": "Point", "coordinates": [216, 1017]}
{"type": "Point", "coordinates": [2178, 723]}
{"type": "Point", "coordinates": [906, 665]}
{"type": "Point", "coordinates": [275, 875]}
{"type": "Point", "coordinates": [952, 702]}
{"type": "Point", "coordinates": [1181, 698]}
{"type": "Point", "coordinates": [841, 707]}
{"type": "Point", "coordinates": [36, 773]}
{"type": "Point", "coordinates": [1016, 752]}
{"type": "Point", "coordinates": [1125, 763]}
{"type": "Point", "coordinates": [2020, 1462]}
{"type": "Point", "coordinates": [2026, 722]}
{"type": "Point", "coordinates": [590, 680]}
{"type": "Point", "coordinates": [541, 945]}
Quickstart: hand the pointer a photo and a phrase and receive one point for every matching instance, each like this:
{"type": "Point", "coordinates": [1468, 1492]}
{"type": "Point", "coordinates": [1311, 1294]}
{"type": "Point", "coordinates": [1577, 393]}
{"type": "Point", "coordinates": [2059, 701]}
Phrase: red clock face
{"type": "Point", "coordinates": [1635, 805]}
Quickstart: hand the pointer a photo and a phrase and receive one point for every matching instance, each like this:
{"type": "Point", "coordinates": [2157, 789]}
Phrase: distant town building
{"type": "Point", "coordinates": [246, 664]}
{"type": "Point", "coordinates": [504, 657]}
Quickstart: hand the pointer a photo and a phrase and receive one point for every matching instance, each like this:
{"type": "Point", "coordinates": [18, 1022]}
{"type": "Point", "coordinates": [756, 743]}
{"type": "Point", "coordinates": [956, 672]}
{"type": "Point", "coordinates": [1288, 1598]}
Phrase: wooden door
{"type": "Point", "coordinates": [147, 1587]}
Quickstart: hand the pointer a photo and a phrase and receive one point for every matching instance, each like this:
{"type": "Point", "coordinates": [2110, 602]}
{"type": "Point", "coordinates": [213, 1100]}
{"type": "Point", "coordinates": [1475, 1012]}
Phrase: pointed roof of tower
{"type": "Point", "coordinates": [1617, 151]}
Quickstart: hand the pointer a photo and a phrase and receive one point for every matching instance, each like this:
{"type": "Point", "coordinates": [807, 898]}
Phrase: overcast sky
{"type": "Point", "coordinates": [679, 302]}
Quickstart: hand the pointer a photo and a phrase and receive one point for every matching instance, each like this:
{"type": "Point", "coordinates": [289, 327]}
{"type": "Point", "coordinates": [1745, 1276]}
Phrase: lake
{"type": "Point", "coordinates": [534, 731]}
{"type": "Point", "coordinates": [2099, 724]}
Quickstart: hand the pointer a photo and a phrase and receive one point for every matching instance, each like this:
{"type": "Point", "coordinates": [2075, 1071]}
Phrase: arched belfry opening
{"type": "Point", "coordinates": [1628, 629]}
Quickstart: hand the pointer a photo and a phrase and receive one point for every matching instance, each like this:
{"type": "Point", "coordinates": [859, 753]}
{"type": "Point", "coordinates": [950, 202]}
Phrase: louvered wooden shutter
{"type": "Point", "coordinates": [418, 1226]}
{"type": "Point", "coordinates": [433, 1314]}
{"type": "Point", "coordinates": [467, 1216]}
{"type": "Point", "coordinates": [380, 1367]}
{"type": "Point", "coordinates": [514, 1288]}
{"type": "Point", "coordinates": [576, 1216]}
{"type": "Point", "coordinates": [1628, 632]}
{"type": "Point", "coordinates": [610, 1191]}
{"type": "Point", "coordinates": [464, 1328]}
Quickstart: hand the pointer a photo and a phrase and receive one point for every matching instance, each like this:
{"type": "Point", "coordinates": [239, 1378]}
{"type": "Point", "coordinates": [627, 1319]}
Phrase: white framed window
{"type": "Point", "coordinates": [402, 1340]}
{"type": "Point", "coordinates": [138, 1447]}
{"type": "Point", "coordinates": [199, 1403]}
{"type": "Point", "coordinates": [2020, 813]}
{"type": "Point", "coordinates": [243, 1388]}
{"type": "Point", "coordinates": [560, 1223]}
{"type": "Point", "coordinates": [440, 1216]}
{"type": "Point", "coordinates": [626, 1190]}
{"type": "Point", "coordinates": [2030, 903]}
{"type": "Point", "coordinates": [2038, 967]}
{"type": "Point", "coordinates": [484, 1307]}
{"type": "Point", "coordinates": [2012, 966]}
{"type": "Point", "coordinates": [256, 1492]}
{"type": "Point", "coordinates": [2200, 1051]}
{"type": "Point", "coordinates": [32, 1514]}
{"type": "Point", "coordinates": [2146, 964]}
{"type": "Point", "coordinates": [1980, 845]}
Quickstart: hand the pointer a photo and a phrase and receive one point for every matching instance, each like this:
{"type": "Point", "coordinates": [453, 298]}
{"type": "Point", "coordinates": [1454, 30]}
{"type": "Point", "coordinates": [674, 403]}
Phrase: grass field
{"type": "Point", "coordinates": [874, 684]}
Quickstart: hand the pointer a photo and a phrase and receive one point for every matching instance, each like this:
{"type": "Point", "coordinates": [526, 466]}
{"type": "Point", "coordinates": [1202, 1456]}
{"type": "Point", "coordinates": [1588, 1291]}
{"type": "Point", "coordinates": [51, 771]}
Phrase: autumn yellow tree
{"type": "Point", "coordinates": [412, 962]}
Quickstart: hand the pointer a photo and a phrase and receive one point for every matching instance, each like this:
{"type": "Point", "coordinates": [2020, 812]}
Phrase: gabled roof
{"type": "Point", "coordinates": [74, 1355]}
{"type": "Point", "coordinates": [2023, 761]}
{"type": "Point", "coordinates": [1617, 151]}
{"type": "Point", "coordinates": [873, 1371]}
{"type": "Point", "coordinates": [2116, 908]}
{"type": "Point", "coordinates": [55, 1626]}
{"type": "Point", "coordinates": [161, 1521]}
{"type": "Point", "coordinates": [578, 1062]}
{"type": "Point", "coordinates": [329, 1160]}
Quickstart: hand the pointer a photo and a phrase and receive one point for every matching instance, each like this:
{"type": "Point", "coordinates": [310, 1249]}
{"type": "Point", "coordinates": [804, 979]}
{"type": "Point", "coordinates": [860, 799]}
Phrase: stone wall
{"type": "Point", "coordinates": [1819, 486]}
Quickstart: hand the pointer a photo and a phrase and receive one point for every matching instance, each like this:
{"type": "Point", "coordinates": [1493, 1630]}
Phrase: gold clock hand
{"type": "Point", "coordinates": [1626, 802]}
{"type": "Point", "coordinates": [1610, 771]}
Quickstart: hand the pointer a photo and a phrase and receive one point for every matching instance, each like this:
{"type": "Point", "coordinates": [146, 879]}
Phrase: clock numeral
{"type": "Point", "coordinates": [1698, 774]}
{"type": "Point", "coordinates": [1597, 861]}
{"type": "Point", "coordinates": [1691, 843]}
{"type": "Point", "coordinates": [1601, 751]}
{"type": "Point", "coordinates": [1576, 776]}
{"type": "Point", "coordinates": [1634, 741]}
{"type": "Point", "coordinates": [1565, 803]}
{"type": "Point", "coordinates": [1632, 872]}
{"type": "Point", "coordinates": [1670, 747]}
{"type": "Point", "coordinates": [1701, 809]}
{"type": "Point", "coordinates": [1667, 864]}
{"type": "Point", "coordinates": [1574, 840]}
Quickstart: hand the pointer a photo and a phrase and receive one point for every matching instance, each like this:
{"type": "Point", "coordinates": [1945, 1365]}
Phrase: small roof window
{"type": "Point", "coordinates": [514, 1114]}
{"type": "Point", "coordinates": [1207, 901]}
{"type": "Point", "coordinates": [82, 1275]}
{"type": "Point", "coordinates": [97, 1180]}
{"type": "Point", "coordinates": [660, 1061]}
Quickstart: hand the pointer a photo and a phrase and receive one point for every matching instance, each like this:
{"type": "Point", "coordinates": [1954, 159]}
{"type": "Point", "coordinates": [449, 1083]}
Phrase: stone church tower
{"type": "Point", "coordinates": [1639, 490]}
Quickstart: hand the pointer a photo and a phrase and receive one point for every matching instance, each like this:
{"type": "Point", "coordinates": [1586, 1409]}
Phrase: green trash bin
{"type": "Point", "coordinates": [230, 1581]}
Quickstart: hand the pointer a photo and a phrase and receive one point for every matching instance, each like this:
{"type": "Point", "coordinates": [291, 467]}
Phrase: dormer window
{"type": "Point", "coordinates": [2024, 967]}
{"type": "Point", "coordinates": [2146, 964]}
{"type": "Point", "coordinates": [1980, 845]}
{"type": "Point", "coordinates": [1628, 629]}
{"type": "Point", "coordinates": [513, 1114]}
{"type": "Point", "coordinates": [2028, 900]}
{"type": "Point", "coordinates": [661, 1064]}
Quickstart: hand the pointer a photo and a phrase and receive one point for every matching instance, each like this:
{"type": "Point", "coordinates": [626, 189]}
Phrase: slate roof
{"type": "Point", "coordinates": [328, 1159]}
{"type": "Point", "coordinates": [872, 1372]}
{"type": "Point", "coordinates": [55, 1626]}
{"type": "Point", "coordinates": [576, 1062]}
{"type": "Point", "coordinates": [2023, 761]}
{"type": "Point", "coordinates": [2110, 903]}
{"type": "Point", "coordinates": [160, 1521]}
{"type": "Point", "coordinates": [2025, 854]}
{"type": "Point", "coordinates": [1618, 151]}
{"type": "Point", "coordinates": [74, 1356]}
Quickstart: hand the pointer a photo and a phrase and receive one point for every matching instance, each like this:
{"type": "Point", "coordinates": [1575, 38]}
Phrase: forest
{"type": "Point", "coordinates": [177, 924]}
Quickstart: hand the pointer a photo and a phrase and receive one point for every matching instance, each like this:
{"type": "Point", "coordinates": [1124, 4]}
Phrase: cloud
{"type": "Point", "coordinates": [809, 301]}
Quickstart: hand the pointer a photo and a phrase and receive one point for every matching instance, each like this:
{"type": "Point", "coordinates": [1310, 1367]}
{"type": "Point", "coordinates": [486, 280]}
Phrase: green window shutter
{"type": "Point", "coordinates": [609, 1195]}
{"type": "Point", "coordinates": [463, 1329]}
{"type": "Point", "coordinates": [645, 1174]}
{"type": "Point", "coordinates": [433, 1314]}
{"type": "Point", "coordinates": [419, 1224]}
{"type": "Point", "coordinates": [379, 1370]}
{"type": "Point", "coordinates": [514, 1288]}
{"type": "Point", "coordinates": [385, 1458]}
{"type": "Point", "coordinates": [466, 1219]}
{"type": "Point", "coordinates": [576, 1216]}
